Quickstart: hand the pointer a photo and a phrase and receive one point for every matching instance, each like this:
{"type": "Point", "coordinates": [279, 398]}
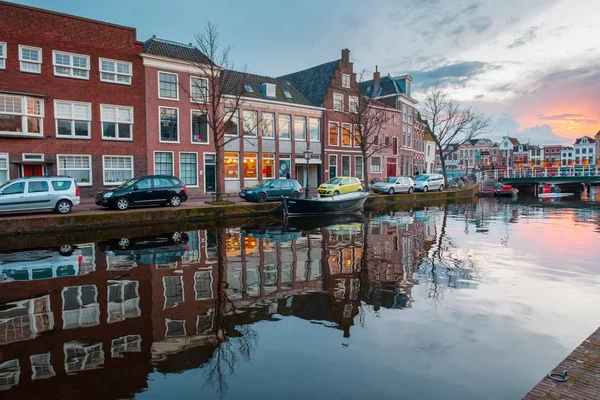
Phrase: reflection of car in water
{"type": "Point", "coordinates": [272, 233]}
{"type": "Point", "coordinates": [40, 264]}
{"type": "Point", "coordinates": [160, 249]}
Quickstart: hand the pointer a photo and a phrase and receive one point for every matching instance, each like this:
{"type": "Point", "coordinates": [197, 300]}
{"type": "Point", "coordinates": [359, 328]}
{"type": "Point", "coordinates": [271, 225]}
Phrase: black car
{"type": "Point", "coordinates": [159, 249]}
{"type": "Point", "coordinates": [144, 190]}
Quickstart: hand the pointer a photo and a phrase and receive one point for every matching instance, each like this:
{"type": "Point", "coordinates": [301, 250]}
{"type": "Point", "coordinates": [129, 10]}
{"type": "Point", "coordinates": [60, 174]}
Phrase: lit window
{"type": "Point", "coordinates": [199, 127]}
{"type": "Point", "coordinates": [231, 120]}
{"type": "Point", "coordinates": [188, 168]}
{"type": "Point", "coordinates": [250, 123]}
{"type": "Point", "coordinates": [338, 102]}
{"type": "Point", "coordinates": [72, 119]}
{"type": "Point", "coordinates": [117, 169]}
{"type": "Point", "coordinates": [163, 163]}
{"type": "Point", "coordinates": [31, 59]}
{"type": "Point", "coordinates": [232, 165]}
{"type": "Point", "coordinates": [78, 167]}
{"type": "Point", "coordinates": [315, 130]}
{"type": "Point", "coordinates": [334, 134]}
{"type": "Point", "coordinates": [115, 71]}
{"type": "Point", "coordinates": [346, 135]}
{"type": "Point", "coordinates": [169, 124]}
{"type": "Point", "coordinates": [71, 65]}
{"type": "Point", "coordinates": [268, 125]}
{"type": "Point", "coordinates": [250, 165]}
{"type": "Point", "coordinates": [168, 88]}
{"type": "Point", "coordinates": [345, 81]}
{"type": "Point", "coordinates": [2, 55]}
{"type": "Point", "coordinates": [285, 127]}
{"type": "Point", "coordinates": [21, 115]}
{"type": "Point", "coordinates": [268, 165]}
{"type": "Point", "coordinates": [300, 128]}
{"type": "Point", "coordinates": [199, 90]}
{"type": "Point", "coordinates": [117, 122]}
{"type": "Point", "coordinates": [287, 94]}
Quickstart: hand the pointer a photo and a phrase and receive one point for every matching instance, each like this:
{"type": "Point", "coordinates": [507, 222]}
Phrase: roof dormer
{"type": "Point", "coordinates": [270, 89]}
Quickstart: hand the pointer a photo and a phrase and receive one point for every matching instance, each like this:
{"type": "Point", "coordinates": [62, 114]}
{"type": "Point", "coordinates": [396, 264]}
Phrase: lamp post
{"type": "Point", "coordinates": [307, 155]}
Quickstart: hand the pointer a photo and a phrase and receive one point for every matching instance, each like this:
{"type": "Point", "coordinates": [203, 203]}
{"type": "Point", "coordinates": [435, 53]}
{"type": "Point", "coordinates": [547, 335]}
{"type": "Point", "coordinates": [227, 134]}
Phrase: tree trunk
{"type": "Point", "coordinates": [219, 192]}
{"type": "Point", "coordinates": [443, 162]}
{"type": "Point", "coordinates": [365, 169]}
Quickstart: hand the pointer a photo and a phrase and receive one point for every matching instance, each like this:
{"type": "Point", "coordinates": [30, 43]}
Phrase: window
{"type": "Point", "coordinates": [285, 122]}
{"type": "Point", "coordinates": [375, 164]}
{"type": "Point", "coordinates": [37, 187]}
{"type": "Point", "coordinates": [410, 116]}
{"type": "Point", "coordinates": [80, 307]}
{"type": "Point", "coordinates": [72, 119]}
{"type": "Point", "coordinates": [387, 141]}
{"type": "Point", "coordinates": [338, 102]}
{"type": "Point", "coordinates": [163, 163]}
{"type": "Point", "coordinates": [332, 166]}
{"type": "Point", "coordinates": [115, 71]}
{"type": "Point", "coordinates": [250, 166]}
{"type": "Point", "coordinates": [2, 55]}
{"type": "Point", "coordinates": [357, 135]}
{"type": "Point", "coordinates": [248, 88]}
{"type": "Point", "coordinates": [41, 367]}
{"type": "Point", "coordinates": [78, 167]}
{"type": "Point", "coordinates": [175, 328]}
{"type": "Point", "coordinates": [71, 65]}
{"type": "Point", "coordinates": [250, 123]}
{"type": "Point", "coordinates": [231, 118]}
{"type": "Point", "coordinates": [268, 165]}
{"type": "Point", "coordinates": [117, 122]}
{"type": "Point", "coordinates": [4, 175]}
{"type": "Point", "coordinates": [61, 185]}
{"type": "Point", "coordinates": [404, 113]}
{"type": "Point", "coordinates": [300, 128]}
{"type": "Point", "coordinates": [169, 126]}
{"type": "Point", "coordinates": [285, 165]}
{"type": "Point", "coordinates": [334, 134]}
{"type": "Point", "coordinates": [31, 59]}
{"type": "Point", "coordinates": [188, 168]}
{"type": "Point", "coordinates": [199, 90]}
{"type": "Point", "coordinates": [410, 141]}
{"type": "Point", "coordinates": [167, 84]}
{"type": "Point", "coordinates": [232, 165]}
{"type": "Point", "coordinates": [315, 130]}
{"type": "Point", "coordinates": [353, 104]}
{"type": "Point", "coordinates": [346, 135]}
{"type": "Point", "coordinates": [270, 90]}
{"type": "Point", "coordinates": [346, 166]}
{"type": "Point", "coordinates": [203, 286]}
{"type": "Point", "coordinates": [287, 94]}
{"type": "Point", "coordinates": [395, 146]}
{"type": "Point", "coordinates": [345, 80]}
{"type": "Point", "coordinates": [21, 115]}
{"type": "Point", "coordinates": [268, 125]}
{"type": "Point", "coordinates": [117, 169]}
{"type": "Point", "coordinates": [199, 127]}
{"type": "Point", "coordinates": [15, 188]}
{"type": "Point", "coordinates": [358, 167]}
{"type": "Point", "coordinates": [123, 300]}
{"type": "Point", "coordinates": [173, 290]}
{"type": "Point", "coordinates": [404, 136]}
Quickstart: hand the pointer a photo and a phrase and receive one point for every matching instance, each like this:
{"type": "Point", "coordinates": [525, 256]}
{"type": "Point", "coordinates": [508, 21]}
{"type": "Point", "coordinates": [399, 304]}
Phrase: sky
{"type": "Point", "coordinates": [533, 65]}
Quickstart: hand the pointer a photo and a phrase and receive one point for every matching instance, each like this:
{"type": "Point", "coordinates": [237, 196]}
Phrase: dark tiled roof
{"type": "Point", "coordinates": [514, 141]}
{"type": "Point", "coordinates": [387, 86]}
{"type": "Point", "coordinates": [234, 83]}
{"type": "Point", "coordinates": [313, 82]}
{"type": "Point", "coordinates": [590, 140]}
{"type": "Point", "coordinates": [174, 50]}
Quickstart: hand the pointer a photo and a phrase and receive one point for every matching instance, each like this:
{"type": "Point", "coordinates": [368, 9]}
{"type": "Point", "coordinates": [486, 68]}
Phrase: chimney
{"type": "Point", "coordinates": [376, 79]}
{"type": "Point", "coordinates": [346, 56]}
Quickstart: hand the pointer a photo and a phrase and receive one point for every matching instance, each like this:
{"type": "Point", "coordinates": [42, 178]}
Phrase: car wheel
{"type": "Point", "coordinates": [65, 250]}
{"type": "Point", "coordinates": [359, 190]}
{"type": "Point", "coordinates": [295, 195]}
{"type": "Point", "coordinates": [441, 188]}
{"type": "Point", "coordinates": [411, 189]}
{"type": "Point", "coordinates": [261, 197]}
{"type": "Point", "coordinates": [391, 191]}
{"type": "Point", "coordinates": [176, 236]}
{"type": "Point", "coordinates": [122, 204]}
{"type": "Point", "coordinates": [336, 193]}
{"type": "Point", "coordinates": [175, 201]}
{"type": "Point", "coordinates": [124, 243]}
{"type": "Point", "coordinates": [425, 189]}
{"type": "Point", "coordinates": [63, 207]}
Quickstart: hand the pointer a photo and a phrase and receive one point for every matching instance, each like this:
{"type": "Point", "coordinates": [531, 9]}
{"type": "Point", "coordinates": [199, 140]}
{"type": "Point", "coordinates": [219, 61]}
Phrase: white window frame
{"type": "Point", "coordinates": [329, 133]}
{"type": "Point", "coordinates": [404, 113]}
{"type": "Point", "coordinates": [252, 115]}
{"type": "Point", "coordinates": [192, 127]}
{"type": "Point", "coordinates": [234, 117]}
{"type": "Point", "coordinates": [24, 114]}
{"type": "Point", "coordinates": [3, 55]}
{"type": "Point", "coordinates": [362, 169]}
{"type": "Point", "coordinates": [176, 85]}
{"type": "Point", "coordinates": [270, 87]}
{"type": "Point", "coordinates": [104, 169]}
{"type": "Point", "coordinates": [238, 166]}
{"type": "Point", "coordinates": [58, 170]}
{"type": "Point", "coordinates": [102, 121]}
{"type": "Point", "coordinates": [306, 128]}
{"type": "Point", "coordinates": [172, 161]}
{"type": "Point", "coordinates": [318, 140]}
{"type": "Point", "coordinates": [342, 135]}
{"type": "Point", "coordinates": [349, 158]}
{"type": "Point", "coordinates": [160, 139]}
{"type": "Point", "coordinates": [262, 160]}
{"type": "Point", "coordinates": [273, 124]}
{"type": "Point", "coordinates": [167, 320]}
{"type": "Point", "coordinates": [339, 96]}
{"type": "Point", "coordinates": [114, 72]}
{"type": "Point", "coordinates": [203, 271]}
{"type": "Point", "coordinates": [21, 61]}
{"type": "Point", "coordinates": [373, 170]}
{"type": "Point", "coordinates": [353, 104]}
{"type": "Point", "coordinates": [192, 87]}
{"type": "Point", "coordinates": [290, 128]}
{"type": "Point", "coordinates": [7, 169]}
{"type": "Point", "coordinates": [71, 67]}
{"type": "Point", "coordinates": [345, 80]}
{"type": "Point", "coordinates": [72, 136]}
{"type": "Point", "coordinates": [197, 169]}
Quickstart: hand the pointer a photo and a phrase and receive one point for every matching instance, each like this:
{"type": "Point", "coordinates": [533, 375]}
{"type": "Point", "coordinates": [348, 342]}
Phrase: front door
{"type": "Point", "coordinates": [210, 173]}
{"type": "Point", "coordinates": [33, 170]}
{"type": "Point", "coordinates": [332, 166]}
{"type": "Point", "coordinates": [391, 167]}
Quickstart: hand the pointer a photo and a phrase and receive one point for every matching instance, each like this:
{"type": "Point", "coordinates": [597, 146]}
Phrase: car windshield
{"type": "Point", "coordinates": [127, 184]}
{"type": "Point", "coordinates": [263, 184]}
{"type": "Point", "coordinates": [5, 185]}
{"type": "Point", "coordinates": [421, 178]}
{"type": "Point", "coordinates": [334, 181]}
{"type": "Point", "coordinates": [391, 180]}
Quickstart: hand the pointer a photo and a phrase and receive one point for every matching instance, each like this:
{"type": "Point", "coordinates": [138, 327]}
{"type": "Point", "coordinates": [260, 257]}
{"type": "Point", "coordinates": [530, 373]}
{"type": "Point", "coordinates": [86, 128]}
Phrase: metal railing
{"type": "Point", "coordinates": [543, 172]}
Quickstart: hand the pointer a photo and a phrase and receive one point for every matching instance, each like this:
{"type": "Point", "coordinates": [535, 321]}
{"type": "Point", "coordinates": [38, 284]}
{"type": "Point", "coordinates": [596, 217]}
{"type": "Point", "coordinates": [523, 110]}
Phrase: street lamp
{"type": "Point", "coordinates": [307, 155]}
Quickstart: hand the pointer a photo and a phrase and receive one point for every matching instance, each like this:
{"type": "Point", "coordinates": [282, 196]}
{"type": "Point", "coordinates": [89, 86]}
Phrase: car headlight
{"type": "Point", "coordinates": [107, 195]}
{"type": "Point", "coordinates": [330, 187]}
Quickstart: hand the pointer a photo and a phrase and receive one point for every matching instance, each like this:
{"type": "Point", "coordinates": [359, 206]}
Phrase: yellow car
{"type": "Point", "coordinates": [340, 185]}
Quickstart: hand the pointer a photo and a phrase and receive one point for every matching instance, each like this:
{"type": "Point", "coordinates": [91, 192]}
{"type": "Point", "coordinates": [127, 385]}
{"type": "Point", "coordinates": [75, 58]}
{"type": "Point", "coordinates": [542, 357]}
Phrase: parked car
{"type": "Point", "coordinates": [27, 265]}
{"type": "Point", "coordinates": [272, 190]}
{"type": "Point", "coordinates": [395, 185]}
{"type": "Point", "coordinates": [143, 191]}
{"type": "Point", "coordinates": [58, 193]}
{"type": "Point", "coordinates": [427, 182]}
{"type": "Point", "coordinates": [159, 249]}
{"type": "Point", "coordinates": [340, 185]}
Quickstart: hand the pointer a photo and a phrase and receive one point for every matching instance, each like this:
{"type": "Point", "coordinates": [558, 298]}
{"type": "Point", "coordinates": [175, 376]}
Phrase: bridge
{"type": "Point", "coordinates": [551, 176]}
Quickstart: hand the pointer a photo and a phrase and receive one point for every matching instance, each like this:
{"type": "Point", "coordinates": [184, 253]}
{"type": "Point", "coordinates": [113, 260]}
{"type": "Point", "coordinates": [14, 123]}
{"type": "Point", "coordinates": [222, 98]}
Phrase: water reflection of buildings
{"type": "Point", "coordinates": [116, 317]}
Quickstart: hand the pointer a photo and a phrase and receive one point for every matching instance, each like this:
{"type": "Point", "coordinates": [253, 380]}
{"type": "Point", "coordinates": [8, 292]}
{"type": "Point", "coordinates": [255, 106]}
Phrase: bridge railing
{"type": "Point", "coordinates": [543, 172]}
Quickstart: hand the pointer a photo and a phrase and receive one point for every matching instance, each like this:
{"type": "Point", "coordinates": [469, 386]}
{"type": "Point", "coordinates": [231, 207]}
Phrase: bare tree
{"type": "Point", "coordinates": [451, 123]}
{"type": "Point", "coordinates": [367, 117]}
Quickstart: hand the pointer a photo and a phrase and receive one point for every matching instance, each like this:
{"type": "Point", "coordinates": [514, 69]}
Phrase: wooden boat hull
{"type": "Point", "coordinates": [333, 205]}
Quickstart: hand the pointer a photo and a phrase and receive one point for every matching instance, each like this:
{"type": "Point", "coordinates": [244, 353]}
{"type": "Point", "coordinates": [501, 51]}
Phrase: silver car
{"type": "Point", "coordinates": [395, 185]}
{"type": "Point", "coordinates": [427, 182]}
{"type": "Point", "coordinates": [58, 193]}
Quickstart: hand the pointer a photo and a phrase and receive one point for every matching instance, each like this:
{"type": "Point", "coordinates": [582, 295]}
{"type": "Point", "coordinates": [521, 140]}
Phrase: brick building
{"type": "Point", "coordinates": [70, 104]}
{"type": "Point", "coordinates": [552, 153]}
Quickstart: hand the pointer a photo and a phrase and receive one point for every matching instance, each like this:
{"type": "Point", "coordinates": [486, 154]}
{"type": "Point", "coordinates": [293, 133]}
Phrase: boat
{"type": "Point", "coordinates": [325, 221]}
{"type": "Point", "coordinates": [486, 193]}
{"type": "Point", "coordinates": [325, 205]}
{"type": "Point", "coordinates": [554, 195]}
{"type": "Point", "coordinates": [488, 188]}
{"type": "Point", "coordinates": [506, 191]}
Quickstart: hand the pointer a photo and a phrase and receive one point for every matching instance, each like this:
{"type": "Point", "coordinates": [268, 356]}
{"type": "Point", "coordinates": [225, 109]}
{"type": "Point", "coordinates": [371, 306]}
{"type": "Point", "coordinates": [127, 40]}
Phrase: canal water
{"type": "Point", "coordinates": [467, 301]}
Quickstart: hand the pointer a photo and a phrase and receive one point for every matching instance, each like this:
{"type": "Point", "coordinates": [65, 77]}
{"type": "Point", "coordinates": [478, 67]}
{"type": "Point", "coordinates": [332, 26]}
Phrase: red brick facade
{"type": "Point", "coordinates": [51, 32]}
